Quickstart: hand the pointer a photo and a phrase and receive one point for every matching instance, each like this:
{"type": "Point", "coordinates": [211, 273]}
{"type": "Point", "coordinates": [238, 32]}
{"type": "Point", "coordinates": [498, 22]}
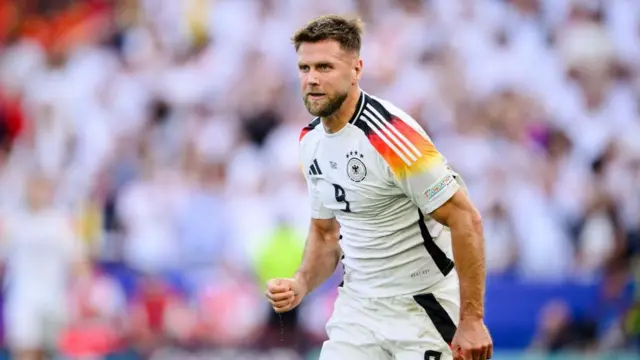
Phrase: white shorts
{"type": "Point", "coordinates": [32, 324]}
{"type": "Point", "coordinates": [418, 327]}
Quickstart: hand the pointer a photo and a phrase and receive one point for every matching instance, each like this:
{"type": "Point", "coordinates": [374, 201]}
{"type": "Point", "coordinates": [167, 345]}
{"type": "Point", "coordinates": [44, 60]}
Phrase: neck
{"type": "Point", "coordinates": [339, 119]}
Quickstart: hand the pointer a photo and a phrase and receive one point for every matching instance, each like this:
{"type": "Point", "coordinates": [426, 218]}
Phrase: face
{"type": "Point", "coordinates": [39, 192]}
{"type": "Point", "coordinates": [327, 72]}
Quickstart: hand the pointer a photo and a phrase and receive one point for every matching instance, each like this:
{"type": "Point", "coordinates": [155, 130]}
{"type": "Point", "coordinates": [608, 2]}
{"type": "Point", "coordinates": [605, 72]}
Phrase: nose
{"type": "Point", "coordinates": [312, 79]}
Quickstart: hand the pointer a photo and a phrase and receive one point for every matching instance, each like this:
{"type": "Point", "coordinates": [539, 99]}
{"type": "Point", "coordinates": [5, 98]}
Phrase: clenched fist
{"type": "Point", "coordinates": [472, 341]}
{"type": "Point", "coordinates": [285, 294]}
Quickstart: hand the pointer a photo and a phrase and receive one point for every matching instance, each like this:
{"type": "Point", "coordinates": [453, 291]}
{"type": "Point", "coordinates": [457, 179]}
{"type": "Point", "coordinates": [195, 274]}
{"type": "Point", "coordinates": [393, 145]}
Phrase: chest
{"type": "Point", "coordinates": [35, 235]}
{"type": "Point", "coordinates": [349, 175]}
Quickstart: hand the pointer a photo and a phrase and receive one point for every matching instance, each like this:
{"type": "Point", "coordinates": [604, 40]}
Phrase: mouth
{"type": "Point", "coordinates": [315, 95]}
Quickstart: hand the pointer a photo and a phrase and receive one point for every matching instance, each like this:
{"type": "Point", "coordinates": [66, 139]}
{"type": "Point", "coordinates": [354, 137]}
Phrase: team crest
{"type": "Point", "coordinates": [356, 170]}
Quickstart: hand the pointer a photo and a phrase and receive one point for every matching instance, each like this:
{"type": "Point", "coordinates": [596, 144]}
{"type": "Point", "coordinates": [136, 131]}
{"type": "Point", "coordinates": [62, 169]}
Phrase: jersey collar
{"type": "Point", "coordinates": [359, 108]}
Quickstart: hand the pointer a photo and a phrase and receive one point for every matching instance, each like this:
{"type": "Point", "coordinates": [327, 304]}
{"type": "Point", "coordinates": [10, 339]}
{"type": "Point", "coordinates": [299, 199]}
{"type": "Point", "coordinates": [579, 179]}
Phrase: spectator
{"type": "Point", "coordinates": [42, 252]}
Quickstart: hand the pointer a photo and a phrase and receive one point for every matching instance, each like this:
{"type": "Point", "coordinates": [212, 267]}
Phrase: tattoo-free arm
{"type": "Point", "coordinates": [321, 254]}
{"type": "Point", "coordinates": [459, 214]}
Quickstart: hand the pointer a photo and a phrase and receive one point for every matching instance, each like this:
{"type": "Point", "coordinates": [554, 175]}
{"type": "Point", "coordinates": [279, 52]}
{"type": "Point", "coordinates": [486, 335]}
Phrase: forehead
{"type": "Point", "coordinates": [320, 51]}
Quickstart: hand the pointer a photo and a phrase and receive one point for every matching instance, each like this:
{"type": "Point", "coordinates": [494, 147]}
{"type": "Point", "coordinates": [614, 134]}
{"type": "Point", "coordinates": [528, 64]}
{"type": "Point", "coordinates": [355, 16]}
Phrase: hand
{"type": "Point", "coordinates": [472, 341]}
{"type": "Point", "coordinates": [285, 294]}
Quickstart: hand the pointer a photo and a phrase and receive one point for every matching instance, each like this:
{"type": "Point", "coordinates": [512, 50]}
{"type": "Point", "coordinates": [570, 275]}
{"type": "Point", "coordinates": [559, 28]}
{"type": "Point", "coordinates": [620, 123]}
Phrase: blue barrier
{"type": "Point", "coordinates": [512, 307]}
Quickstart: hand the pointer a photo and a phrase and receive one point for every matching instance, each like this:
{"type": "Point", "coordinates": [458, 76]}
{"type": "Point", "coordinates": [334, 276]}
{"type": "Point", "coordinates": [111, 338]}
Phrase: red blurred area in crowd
{"type": "Point", "coordinates": [50, 22]}
{"type": "Point", "coordinates": [56, 25]}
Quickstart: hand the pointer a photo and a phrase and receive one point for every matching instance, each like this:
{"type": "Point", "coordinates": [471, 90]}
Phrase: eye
{"type": "Point", "coordinates": [303, 68]}
{"type": "Point", "coordinates": [324, 67]}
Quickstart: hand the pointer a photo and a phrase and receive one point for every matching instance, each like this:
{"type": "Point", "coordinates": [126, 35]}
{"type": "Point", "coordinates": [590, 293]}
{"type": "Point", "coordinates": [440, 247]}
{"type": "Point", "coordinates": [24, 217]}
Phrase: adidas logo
{"type": "Point", "coordinates": [314, 169]}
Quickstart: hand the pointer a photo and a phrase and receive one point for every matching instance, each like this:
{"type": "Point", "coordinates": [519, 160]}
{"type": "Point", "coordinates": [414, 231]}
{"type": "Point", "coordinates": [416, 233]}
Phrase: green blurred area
{"type": "Point", "coordinates": [280, 254]}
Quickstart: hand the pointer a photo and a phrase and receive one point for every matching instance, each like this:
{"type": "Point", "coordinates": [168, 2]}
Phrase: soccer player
{"type": "Point", "coordinates": [385, 202]}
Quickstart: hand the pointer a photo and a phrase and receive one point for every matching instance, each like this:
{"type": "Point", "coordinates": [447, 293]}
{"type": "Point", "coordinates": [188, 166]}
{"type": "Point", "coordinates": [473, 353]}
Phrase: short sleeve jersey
{"type": "Point", "coordinates": [381, 176]}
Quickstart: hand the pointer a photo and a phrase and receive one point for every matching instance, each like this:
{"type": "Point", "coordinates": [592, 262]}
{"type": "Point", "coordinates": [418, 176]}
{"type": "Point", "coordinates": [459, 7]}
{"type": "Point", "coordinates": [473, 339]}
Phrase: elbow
{"type": "Point", "coordinates": [327, 233]}
{"type": "Point", "coordinates": [467, 221]}
{"type": "Point", "coordinates": [476, 221]}
{"type": "Point", "coordinates": [332, 237]}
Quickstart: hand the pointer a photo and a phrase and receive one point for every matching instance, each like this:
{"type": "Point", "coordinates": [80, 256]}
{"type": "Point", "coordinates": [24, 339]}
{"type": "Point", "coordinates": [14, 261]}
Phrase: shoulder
{"type": "Point", "coordinates": [396, 136]}
{"type": "Point", "coordinates": [391, 115]}
{"type": "Point", "coordinates": [312, 126]}
{"type": "Point", "coordinates": [309, 136]}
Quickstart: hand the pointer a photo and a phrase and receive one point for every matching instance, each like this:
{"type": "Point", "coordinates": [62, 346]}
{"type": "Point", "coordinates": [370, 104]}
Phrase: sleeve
{"type": "Point", "coordinates": [417, 166]}
{"type": "Point", "coordinates": [318, 211]}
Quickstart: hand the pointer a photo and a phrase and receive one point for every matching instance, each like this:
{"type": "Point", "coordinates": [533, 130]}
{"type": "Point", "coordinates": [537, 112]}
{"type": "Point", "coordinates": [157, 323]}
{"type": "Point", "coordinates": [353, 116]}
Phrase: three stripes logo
{"type": "Point", "coordinates": [392, 137]}
{"type": "Point", "coordinates": [314, 169]}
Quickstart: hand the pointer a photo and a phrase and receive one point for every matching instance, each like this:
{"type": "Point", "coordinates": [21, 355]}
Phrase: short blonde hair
{"type": "Point", "coordinates": [346, 31]}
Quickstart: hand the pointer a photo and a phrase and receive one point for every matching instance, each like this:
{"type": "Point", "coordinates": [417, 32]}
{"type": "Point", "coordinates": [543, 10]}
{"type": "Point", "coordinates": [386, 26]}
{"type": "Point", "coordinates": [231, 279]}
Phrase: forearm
{"type": "Point", "coordinates": [468, 254]}
{"type": "Point", "coordinates": [320, 259]}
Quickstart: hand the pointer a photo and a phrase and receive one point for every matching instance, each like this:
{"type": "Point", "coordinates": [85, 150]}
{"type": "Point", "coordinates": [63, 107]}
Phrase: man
{"type": "Point", "coordinates": [42, 254]}
{"type": "Point", "coordinates": [386, 202]}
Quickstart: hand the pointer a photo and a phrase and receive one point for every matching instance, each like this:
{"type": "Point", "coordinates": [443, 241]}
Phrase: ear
{"type": "Point", "coordinates": [357, 70]}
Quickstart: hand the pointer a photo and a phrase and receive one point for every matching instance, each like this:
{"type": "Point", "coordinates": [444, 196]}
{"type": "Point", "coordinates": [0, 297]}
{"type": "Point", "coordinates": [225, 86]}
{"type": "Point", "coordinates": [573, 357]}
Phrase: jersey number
{"type": "Point", "coordinates": [432, 355]}
{"type": "Point", "coordinates": [341, 197]}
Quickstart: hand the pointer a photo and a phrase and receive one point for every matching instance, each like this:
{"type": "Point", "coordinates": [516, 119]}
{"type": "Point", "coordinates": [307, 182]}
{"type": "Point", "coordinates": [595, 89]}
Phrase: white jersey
{"type": "Point", "coordinates": [380, 176]}
{"type": "Point", "coordinates": [39, 249]}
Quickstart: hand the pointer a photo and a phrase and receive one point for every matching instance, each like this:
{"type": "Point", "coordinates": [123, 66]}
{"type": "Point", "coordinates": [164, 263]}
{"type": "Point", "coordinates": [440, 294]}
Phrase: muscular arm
{"type": "Point", "coordinates": [459, 214]}
{"type": "Point", "coordinates": [321, 253]}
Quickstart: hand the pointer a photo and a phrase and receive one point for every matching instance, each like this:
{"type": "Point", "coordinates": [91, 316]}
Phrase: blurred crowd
{"type": "Point", "coordinates": [149, 175]}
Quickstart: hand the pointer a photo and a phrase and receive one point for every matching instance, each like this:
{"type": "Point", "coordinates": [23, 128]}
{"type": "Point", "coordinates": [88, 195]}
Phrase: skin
{"type": "Point", "coordinates": [329, 78]}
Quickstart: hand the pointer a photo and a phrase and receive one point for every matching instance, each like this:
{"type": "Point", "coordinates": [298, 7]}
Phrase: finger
{"type": "Point", "coordinates": [485, 353]}
{"type": "Point", "coordinates": [283, 303]}
{"type": "Point", "coordinates": [270, 292]}
{"type": "Point", "coordinates": [479, 353]}
{"type": "Point", "coordinates": [278, 286]}
{"type": "Point", "coordinates": [457, 352]}
{"type": "Point", "coordinates": [280, 296]}
{"type": "Point", "coordinates": [283, 308]}
{"type": "Point", "coordinates": [467, 354]}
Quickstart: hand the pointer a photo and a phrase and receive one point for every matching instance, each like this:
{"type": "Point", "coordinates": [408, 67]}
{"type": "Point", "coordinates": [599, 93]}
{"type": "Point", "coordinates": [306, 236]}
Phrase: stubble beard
{"type": "Point", "coordinates": [326, 109]}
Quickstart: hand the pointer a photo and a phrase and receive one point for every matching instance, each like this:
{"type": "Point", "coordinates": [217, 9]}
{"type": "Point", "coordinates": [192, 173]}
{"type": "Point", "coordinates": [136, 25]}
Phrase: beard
{"type": "Point", "coordinates": [325, 107]}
